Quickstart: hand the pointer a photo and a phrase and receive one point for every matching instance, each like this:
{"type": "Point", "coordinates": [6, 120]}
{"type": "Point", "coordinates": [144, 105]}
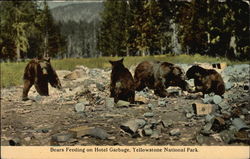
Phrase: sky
{"type": "Point", "coordinates": [53, 4]}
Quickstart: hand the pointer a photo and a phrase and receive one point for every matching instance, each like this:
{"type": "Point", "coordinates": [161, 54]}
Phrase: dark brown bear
{"type": "Point", "coordinates": [206, 80]}
{"type": "Point", "coordinates": [159, 76]}
{"type": "Point", "coordinates": [122, 83]}
{"type": "Point", "coordinates": [39, 72]}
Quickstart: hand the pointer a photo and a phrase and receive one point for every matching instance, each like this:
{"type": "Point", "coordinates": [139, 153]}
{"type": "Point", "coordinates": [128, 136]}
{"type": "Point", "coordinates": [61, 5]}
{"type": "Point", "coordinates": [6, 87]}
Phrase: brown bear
{"type": "Point", "coordinates": [159, 76]}
{"type": "Point", "coordinates": [206, 80]}
{"type": "Point", "coordinates": [122, 82]}
{"type": "Point", "coordinates": [39, 72]}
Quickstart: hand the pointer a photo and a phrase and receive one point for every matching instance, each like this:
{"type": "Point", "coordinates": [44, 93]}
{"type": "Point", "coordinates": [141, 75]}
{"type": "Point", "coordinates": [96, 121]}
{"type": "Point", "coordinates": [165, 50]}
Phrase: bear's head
{"type": "Point", "coordinates": [47, 70]}
{"type": "Point", "coordinates": [195, 72]}
{"type": "Point", "coordinates": [117, 64]}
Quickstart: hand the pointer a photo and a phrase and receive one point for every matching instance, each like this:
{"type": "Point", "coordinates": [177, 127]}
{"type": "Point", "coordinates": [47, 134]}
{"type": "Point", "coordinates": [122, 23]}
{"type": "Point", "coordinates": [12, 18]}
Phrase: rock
{"type": "Point", "coordinates": [99, 133]}
{"type": "Point", "coordinates": [141, 99]}
{"type": "Point", "coordinates": [83, 101]}
{"type": "Point", "coordinates": [27, 139]}
{"type": "Point", "coordinates": [147, 132]}
{"type": "Point", "coordinates": [109, 102]}
{"type": "Point", "coordinates": [189, 115]}
{"type": "Point", "coordinates": [242, 117]}
{"type": "Point", "coordinates": [227, 136]}
{"type": "Point", "coordinates": [74, 75]}
{"type": "Point", "coordinates": [100, 87]}
{"type": "Point", "coordinates": [207, 99]}
{"type": "Point", "coordinates": [242, 135]}
{"type": "Point", "coordinates": [148, 115]}
{"type": "Point", "coordinates": [226, 114]}
{"type": "Point", "coordinates": [43, 130]}
{"type": "Point", "coordinates": [161, 103]}
{"type": "Point", "coordinates": [228, 85]}
{"type": "Point", "coordinates": [148, 126]}
{"type": "Point", "coordinates": [28, 102]}
{"type": "Point", "coordinates": [175, 132]}
{"type": "Point", "coordinates": [223, 105]}
{"type": "Point", "coordinates": [61, 137]}
{"type": "Point", "coordinates": [217, 99]}
{"type": "Point", "coordinates": [200, 139]}
{"type": "Point", "coordinates": [122, 103]}
{"type": "Point", "coordinates": [112, 138]}
{"type": "Point", "coordinates": [133, 125]}
{"type": "Point", "coordinates": [239, 124]}
{"type": "Point", "coordinates": [156, 134]}
{"type": "Point", "coordinates": [153, 122]}
{"type": "Point", "coordinates": [206, 130]}
{"type": "Point", "coordinates": [174, 92]}
{"type": "Point", "coordinates": [209, 118]}
{"type": "Point", "coordinates": [154, 103]}
{"type": "Point", "coordinates": [80, 107]}
{"type": "Point", "coordinates": [167, 123]}
{"type": "Point", "coordinates": [150, 106]}
{"type": "Point", "coordinates": [245, 111]}
{"type": "Point", "coordinates": [80, 131]}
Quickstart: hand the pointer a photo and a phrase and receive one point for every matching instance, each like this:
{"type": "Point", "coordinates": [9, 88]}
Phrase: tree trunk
{"type": "Point", "coordinates": [18, 55]}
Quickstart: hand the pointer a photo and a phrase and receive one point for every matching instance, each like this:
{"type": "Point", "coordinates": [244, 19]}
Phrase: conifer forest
{"type": "Point", "coordinates": [218, 28]}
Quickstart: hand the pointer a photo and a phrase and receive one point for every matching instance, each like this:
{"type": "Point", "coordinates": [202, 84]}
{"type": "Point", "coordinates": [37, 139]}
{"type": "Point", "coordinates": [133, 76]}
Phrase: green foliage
{"type": "Point", "coordinates": [112, 34]}
{"type": "Point", "coordinates": [27, 30]}
{"type": "Point", "coordinates": [211, 27]}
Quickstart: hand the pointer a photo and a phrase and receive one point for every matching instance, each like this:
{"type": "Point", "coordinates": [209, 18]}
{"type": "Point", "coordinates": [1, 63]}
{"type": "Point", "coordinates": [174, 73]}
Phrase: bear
{"type": "Point", "coordinates": [39, 72]}
{"type": "Point", "coordinates": [122, 82]}
{"type": "Point", "coordinates": [206, 80]}
{"type": "Point", "coordinates": [158, 75]}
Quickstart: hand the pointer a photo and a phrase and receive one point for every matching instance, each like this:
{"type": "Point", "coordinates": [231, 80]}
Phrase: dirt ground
{"type": "Point", "coordinates": [34, 122]}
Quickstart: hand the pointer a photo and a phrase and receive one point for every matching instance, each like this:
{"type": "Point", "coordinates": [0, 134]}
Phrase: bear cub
{"type": "Point", "coordinates": [122, 82]}
{"type": "Point", "coordinates": [206, 80]}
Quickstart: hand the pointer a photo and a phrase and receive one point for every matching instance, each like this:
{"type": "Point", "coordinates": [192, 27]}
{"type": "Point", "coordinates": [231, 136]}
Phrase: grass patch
{"type": "Point", "coordinates": [12, 73]}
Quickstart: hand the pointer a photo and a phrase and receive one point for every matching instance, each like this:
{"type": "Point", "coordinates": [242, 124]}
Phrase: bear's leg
{"type": "Point", "coordinates": [112, 92]}
{"type": "Point", "coordinates": [159, 89]}
{"type": "Point", "coordinates": [26, 87]}
{"type": "Point", "coordinates": [42, 88]}
{"type": "Point", "coordinates": [139, 85]}
{"type": "Point", "coordinates": [131, 98]}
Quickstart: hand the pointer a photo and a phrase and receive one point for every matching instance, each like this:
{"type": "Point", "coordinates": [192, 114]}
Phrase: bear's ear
{"type": "Point", "coordinates": [111, 62]}
{"type": "Point", "coordinates": [121, 60]}
{"type": "Point", "coordinates": [47, 59]}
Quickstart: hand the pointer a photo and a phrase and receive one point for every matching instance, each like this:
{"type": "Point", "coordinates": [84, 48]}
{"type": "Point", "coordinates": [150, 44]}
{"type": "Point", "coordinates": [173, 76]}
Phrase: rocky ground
{"type": "Point", "coordinates": [83, 114]}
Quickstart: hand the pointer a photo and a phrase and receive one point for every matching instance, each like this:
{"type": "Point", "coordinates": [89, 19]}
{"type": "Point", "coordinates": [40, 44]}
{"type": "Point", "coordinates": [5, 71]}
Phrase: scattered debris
{"type": "Point", "coordinates": [167, 123]}
{"type": "Point", "coordinates": [80, 131]}
{"type": "Point", "coordinates": [239, 124]}
{"type": "Point", "coordinates": [109, 102]}
{"type": "Point", "coordinates": [99, 133]}
{"type": "Point", "coordinates": [133, 125]}
{"type": "Point", "coordinates": [217, 99]}
{"type": "Point", "coordinates": [175, 132]}
{"type": "Point", "coordinates": [148, 114]}
{"type": "Point", "coordinates": [61, 137]}
{"type": "Point", "coordinates": [202, 109]}
{"type": "Point", "coordinates": [80, 107]}
{"type": "Point", "coordinates": [217, 120]}
{"type": "Point", "coordinates": [15, 142]}
{"type": "Point", "coordinates": [122, 103]}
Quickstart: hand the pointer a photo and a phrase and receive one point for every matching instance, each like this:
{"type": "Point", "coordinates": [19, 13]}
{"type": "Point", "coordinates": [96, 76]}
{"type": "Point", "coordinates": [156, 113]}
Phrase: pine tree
{"type": "Point", "coordinates": [112, 34]}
